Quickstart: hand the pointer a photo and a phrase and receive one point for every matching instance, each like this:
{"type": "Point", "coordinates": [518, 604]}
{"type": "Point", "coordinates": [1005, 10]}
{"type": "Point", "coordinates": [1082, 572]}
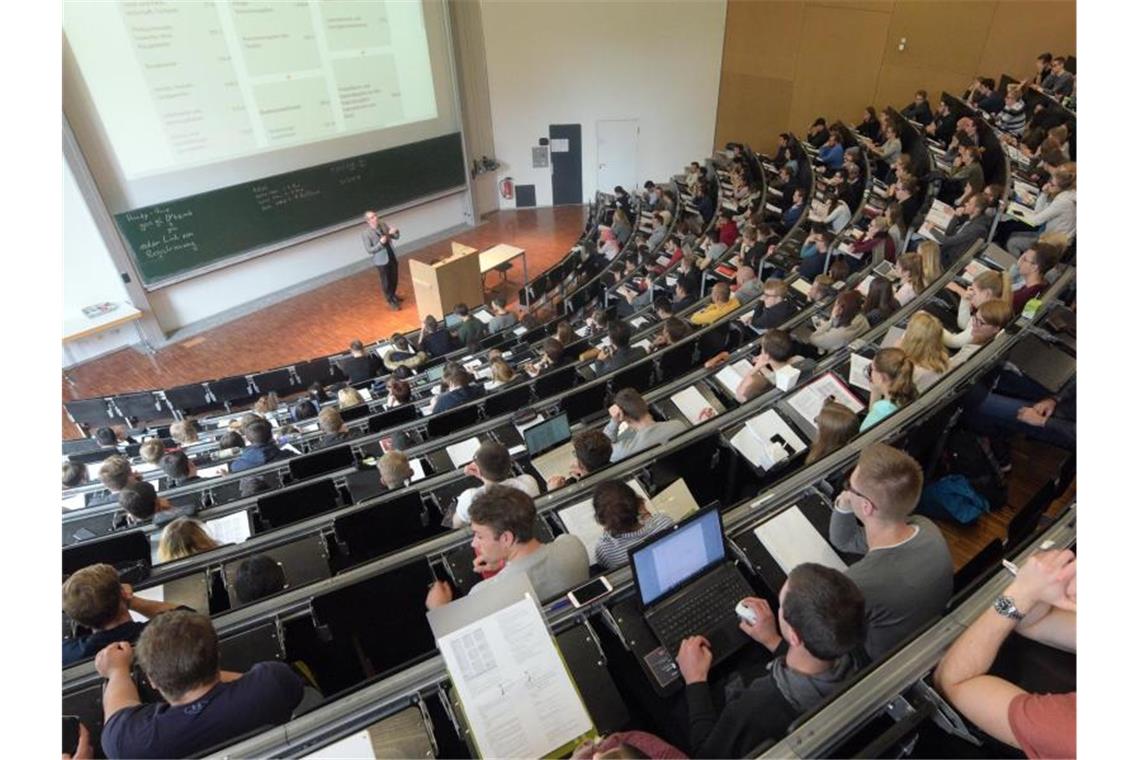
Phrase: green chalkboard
{"type": "Point", "coordinates": [181, 236]}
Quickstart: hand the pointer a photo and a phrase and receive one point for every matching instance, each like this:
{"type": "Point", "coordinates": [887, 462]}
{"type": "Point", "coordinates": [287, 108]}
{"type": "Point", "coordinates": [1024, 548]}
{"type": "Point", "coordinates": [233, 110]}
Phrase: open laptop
{"type": "Point", "coordinates": [687, 586]}
{"type": "Point", "coordinates": [549, 446]}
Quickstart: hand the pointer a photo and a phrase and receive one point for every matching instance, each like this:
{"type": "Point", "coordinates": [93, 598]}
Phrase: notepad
{"type": "Point", "coordinates": [463, 452]}
{"type": "Point", "coordinates": [529, 423]}
{"type": "Point", "coordinates": [357, 746]}
{"type": "Point", "coordinates": [729, 377]}
{"type": "Point", "coordinates": [763, 438]}
{"type": "Point", "coordinates": [231, 529]}
{"type": "Point", "coordinates": [78, 501]}
{"type": "Point", "coordinates": [519, 330]}
{"type": "Point", "coordinates": [484, 316]}
{"type": "Point", "coordinates": [638, 321]}
{"type": "Point", "coordinates": [582, 331]}
{"type": "Point", "coordinates": [646, 344]}
{"type": "Point", "coordinates": [417, 468]}
{"type": "Point", "coordinates": [807, 401]}
{"type": "Point", "coordinates": [801, 285]}
{"type": "Point", "coordinates": [213, 472]}
{"type": "Point", "coordinates": [893, 337]}
{"type": "Point", "coordinates": [365, 394]}
{"type": "Point", "coordinates": [691, 403]}
{"type": "Point", "coordinates": [792, 541]}
{"type": "Point", "coordinates": [857, 376]}
{"type": "Point", "coordinates": [155, 594]}
{"type": "Point", "coordinates": [973, 269]}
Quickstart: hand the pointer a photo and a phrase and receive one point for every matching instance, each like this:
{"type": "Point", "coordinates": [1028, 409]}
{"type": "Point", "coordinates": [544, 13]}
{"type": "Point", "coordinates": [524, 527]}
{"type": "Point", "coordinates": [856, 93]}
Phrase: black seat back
{"type": "Point", "coordinates": [296, 504]}
{"type": "Point", "coordinates": [556, 382]}
{"type": "Point", "coordinates": [321, 462]}
{"type": "Point", "coordinates": [507, 401]}
{"type": "Point", "coordinates": [398, 416]}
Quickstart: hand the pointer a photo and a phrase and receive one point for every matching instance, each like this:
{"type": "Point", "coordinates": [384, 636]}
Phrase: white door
{"type": "Point", "coordinates": [617, 154]}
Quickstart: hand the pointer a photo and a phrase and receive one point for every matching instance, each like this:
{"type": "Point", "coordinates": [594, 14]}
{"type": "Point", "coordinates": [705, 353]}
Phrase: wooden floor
{"type": "Point", "coordinates": [321, 321]}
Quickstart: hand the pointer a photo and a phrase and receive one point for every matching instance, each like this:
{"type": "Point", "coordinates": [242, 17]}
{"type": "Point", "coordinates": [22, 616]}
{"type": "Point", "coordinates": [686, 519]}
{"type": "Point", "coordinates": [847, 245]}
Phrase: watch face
{"type": "Point", "coordinates": [1005, 607]}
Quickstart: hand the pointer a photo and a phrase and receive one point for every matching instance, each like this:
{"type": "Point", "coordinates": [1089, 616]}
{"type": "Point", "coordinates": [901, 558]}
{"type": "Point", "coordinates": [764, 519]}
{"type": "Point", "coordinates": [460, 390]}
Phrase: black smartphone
{"type": "Point", "coordinates": [70, 734]}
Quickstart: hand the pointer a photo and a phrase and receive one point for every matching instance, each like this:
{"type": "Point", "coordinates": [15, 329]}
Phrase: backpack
{"type": "Point", "coordinates": [963, 455]}
{"type": "Point", "coordinates": [952, 498]}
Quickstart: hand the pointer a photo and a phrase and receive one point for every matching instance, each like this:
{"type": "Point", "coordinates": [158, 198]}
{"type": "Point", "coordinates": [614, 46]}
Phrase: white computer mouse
{"type": "Point", "coordinates": [745, 613]}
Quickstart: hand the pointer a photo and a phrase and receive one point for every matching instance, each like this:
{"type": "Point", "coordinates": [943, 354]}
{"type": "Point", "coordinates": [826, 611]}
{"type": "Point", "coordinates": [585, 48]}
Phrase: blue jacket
{"type": "Point", "coordinates": [792, 215]}
{"type": "Point", "coordinates": [256, 455]}
{"type": "Point", "coordinates": [459, 396]}
{"type": "Point", "coordinates": [831, 157]}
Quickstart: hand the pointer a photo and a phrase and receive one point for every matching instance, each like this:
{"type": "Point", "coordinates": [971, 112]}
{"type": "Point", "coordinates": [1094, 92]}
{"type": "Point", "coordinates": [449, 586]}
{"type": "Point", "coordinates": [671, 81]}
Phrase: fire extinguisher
{"type": "Point", "coordinates": [507, 188]}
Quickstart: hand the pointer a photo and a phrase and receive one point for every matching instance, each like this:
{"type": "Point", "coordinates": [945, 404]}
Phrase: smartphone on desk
{"type": "Point", "coordinates": [588, 592]}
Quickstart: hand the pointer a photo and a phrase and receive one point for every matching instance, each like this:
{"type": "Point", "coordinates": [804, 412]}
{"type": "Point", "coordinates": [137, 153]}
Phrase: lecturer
{"type": "Point", "coordinates": [378, 237]}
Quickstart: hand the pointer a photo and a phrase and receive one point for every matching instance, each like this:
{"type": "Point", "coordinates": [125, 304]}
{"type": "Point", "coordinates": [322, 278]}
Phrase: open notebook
{"type": "Point", "coordinates": [675, 501]}
{"type": "Point", "coordinates": [792, 541]}
{"type": "Point", "coordinates": [766, 440]}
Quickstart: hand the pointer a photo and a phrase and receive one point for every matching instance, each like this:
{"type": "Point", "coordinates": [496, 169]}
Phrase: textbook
{"type": "Point", "coordinates": [807, 401]}
{"type": "Point", "coordinates": [691, 403]}
{"type": "Point", "coordinates": [730, 376]}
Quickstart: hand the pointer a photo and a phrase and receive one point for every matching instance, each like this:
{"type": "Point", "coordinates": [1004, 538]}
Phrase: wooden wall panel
{"type": "Point", "coordinates": [763, 38]}
{"type": "Point", "coordinates": [939, 37]}
{"type": "Point", "coordinates": [752, 110]}
{"type": "Point", "coordinates": [838, 63]}
{"type": "Point", "coordinates": [1022, 29]}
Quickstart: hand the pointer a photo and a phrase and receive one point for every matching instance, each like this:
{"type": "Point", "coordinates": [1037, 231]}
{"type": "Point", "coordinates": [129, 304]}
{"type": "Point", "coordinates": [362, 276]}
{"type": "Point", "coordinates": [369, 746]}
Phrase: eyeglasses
{"type": "Point", "coordinates": [867, 371]}
{"type": "Point", "coordinates": [851, 489]}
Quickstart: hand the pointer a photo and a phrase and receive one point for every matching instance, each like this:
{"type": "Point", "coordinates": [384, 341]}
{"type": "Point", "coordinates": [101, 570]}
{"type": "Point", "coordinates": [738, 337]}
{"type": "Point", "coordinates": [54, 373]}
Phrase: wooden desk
{"type": "Point", "coordinates": [501, 254]}
{"type": "Point", "coordinates": [78, 325]}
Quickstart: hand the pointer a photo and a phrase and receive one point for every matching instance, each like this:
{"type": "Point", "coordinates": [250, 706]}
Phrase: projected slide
{"type": "Point", "coordinates": [179, 84]}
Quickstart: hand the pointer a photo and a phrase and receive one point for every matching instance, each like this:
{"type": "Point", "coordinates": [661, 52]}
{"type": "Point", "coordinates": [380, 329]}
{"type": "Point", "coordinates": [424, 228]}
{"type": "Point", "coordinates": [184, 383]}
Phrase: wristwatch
{"type": "Point", "coordinates": [1005, 607]}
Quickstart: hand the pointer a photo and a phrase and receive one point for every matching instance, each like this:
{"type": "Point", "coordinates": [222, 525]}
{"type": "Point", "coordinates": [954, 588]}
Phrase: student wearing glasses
{"type": "Point", "coordinates": [906, 574]}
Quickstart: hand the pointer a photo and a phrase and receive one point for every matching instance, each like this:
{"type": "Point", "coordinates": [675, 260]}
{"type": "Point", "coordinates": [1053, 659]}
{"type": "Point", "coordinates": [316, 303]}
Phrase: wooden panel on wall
{"type": "Point", "coordinates": [762, 38]}
{"type": "Point", "coordinates": [753, 110]}
{"type": "Point", "coordinates": [897, 85]}
{"type": "Point", "coordinates": [840, 54]}
{"type": "Point", "coordinates": [1022, 29]}
{"type": "Point", "coordinates": [946, 36]}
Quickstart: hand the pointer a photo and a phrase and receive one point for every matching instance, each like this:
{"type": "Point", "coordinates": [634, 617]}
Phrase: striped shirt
{"type": "Point", "coordinates": [613, 551]}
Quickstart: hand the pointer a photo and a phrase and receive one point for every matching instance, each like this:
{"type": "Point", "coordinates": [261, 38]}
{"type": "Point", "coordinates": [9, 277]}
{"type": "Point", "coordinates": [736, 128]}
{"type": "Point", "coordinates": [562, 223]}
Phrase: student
{"type": "Point", "coordinates": [892, 385]}
{"type": "Point", "coordinates": [142, 503]}
{"type": "Point", "coordinates": [869, 127]}
{"type": "Point", "coordinates": [333, 429]}
{"type": "Point", "coordinates": [202, 705]}
{"type": "Point", "coordinates": [619, 353]}
{"type": "Point", "coordinates": [815, 639]}
{"type": "Point", "coordinates": [831, 152]}
{"type": "Point", "coordinates": [964, 231]}
{"type": "Point", "coordinates": [348, 397]}
{"type": "Point", "coordinates": [911, 279]}
{"type": "Point", "coordinates": [492, 466]}
{"type": "Point", "coordinates": [748, 285]}
{"type": "Point", "coordinates": [919, 110]}
{"type": "Point", "coordinates": [95, 598]}
{"type": "Point", "coordinates": [403, 355]}
{"type": "Point", "coordinates": [835, 425]}
{"type": "Point", "coordinates": [922, 344]}
{"type": "Point", "coordinates": [845, 323]}
{"type": "Point", "coordinates": [395, 470]}
{"type": "Point", "coordinates": [838, 215]}
{"type": "Point", "coordinates": [502, 526]}
{"type": "Point", "coordinates": [626, 521]}
{"type": "Point", "coordinates": [657, 236]}
{"type": "Point", "coordinates": [257, 577]}
{"type": "Point", "coordinates": [776, 352]}
{"type": "Point", "coordinates": [551, 356]}
{"type": "Point", "coordinates": [1012, 116]}
{"type": "Point", "coordinates": [436, 341]}
{"type": "Point", "coordinates": [987, 321]}
{"type": "Point", "coordinates": [399, 392]}
{"type": "Point", "coordinates": [184, 432]}
{"type": "Point", "coordinates": [261, 449]}
{"type": "Point", "coordinates": [503, 318]}
{"type": "Point", "coordinates": [470, 327]}
{"type": "Point", "coordinates": [115, 473]}
{"type": "Point", "coordinates": [107, 437]}
{"type": "Point", "coordinates": [726, 229]}
{"type": "Point", "coordinates": [906, 574]}
{"type": "Point", "coordinates": [1051, 419]}
{"type": "Point", "coordinates": [184, 537]}
{"type": "Point", "coordinates": [592, 452]}
{"type": "Point", "coordinates": [966, 176]}
{"type": "Point", "coordinates": [1039, 604]}
{"type": "Point", "coordinates": [930, 256]}
{"type": "Point", "coordinates": [151, 451]}
{"type": "Point", "coordinates": [360, 366]}
{"type": "Point", "coordinates": [179, 468]}
{"type": "Point", "coordinates": [792, 215]}
{"type": "Point", "coordinates": [74, 474]}
{"type": "Point", "coordinates": [461, 389]}
{"type": "Point", "coordinates": [1054, 212]}
{"type": "Point", "coordinates": [773, 309]}
{"type": "Point", "coordinates": [641, 430]}
{"type": "Point", "coordinates": [621, 227]}
{"type": "Point", "coordinates": [1033, 265]}
{"type": "Point", "coordinates": [909, 200]}
{"type": "Point", "coordinates": [880, 302]}
{"type": "Point", "coordinates": [723, 303]}
{"type": "Point", "coordinates": [501, 374]}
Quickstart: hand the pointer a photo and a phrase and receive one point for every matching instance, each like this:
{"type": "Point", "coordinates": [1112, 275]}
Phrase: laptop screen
{"type": "Point", "coordinates": [666, 562]}
{"type": "Point", "coordinates": [546, 435]}
{"type": "Point", "coordinates": [452, 320]}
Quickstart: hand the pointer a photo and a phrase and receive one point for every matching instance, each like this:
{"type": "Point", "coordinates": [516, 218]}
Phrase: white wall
{"type": "Point", "coordinates": [89, 276]}
{"type": "Point", "coordinates": [563, 62]}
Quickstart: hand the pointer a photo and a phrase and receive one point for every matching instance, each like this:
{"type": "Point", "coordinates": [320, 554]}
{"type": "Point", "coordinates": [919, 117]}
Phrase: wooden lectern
{"type": "Point", "coordinates": [456, 279]}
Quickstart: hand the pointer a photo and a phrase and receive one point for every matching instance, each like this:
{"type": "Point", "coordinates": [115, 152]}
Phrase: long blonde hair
{"type": "Point", "coordinates": [184, 538]}
{"type": "Point", "coordinates": [501, 372]}
{"type": "Point", "coordinates": [896, 366]}
{"type": "Point", "coordinates": [912, 265]}
{"type": "Point", "coordinates": [922, 342]}
{"type": "Point", "coordinates": [931, 256]}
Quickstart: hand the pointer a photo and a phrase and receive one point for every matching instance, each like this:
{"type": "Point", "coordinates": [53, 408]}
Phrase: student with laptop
{"type": "Point", "coordinates": [815, 638]}
{"type": "Point", "coordinates": [502, 525]}
{"type": "Point", "coordinates": [469, 328]}
{"type": "Point", "coordinates": [641, 430]}
{"type": "Point", "coordinates": [906, 574]}
{"type": "Point", "coordinates": [491, 465]}
{"type": "Point", "coordinates": [503, 318]}
{"type": "Point", "coordinates": [626, 520]}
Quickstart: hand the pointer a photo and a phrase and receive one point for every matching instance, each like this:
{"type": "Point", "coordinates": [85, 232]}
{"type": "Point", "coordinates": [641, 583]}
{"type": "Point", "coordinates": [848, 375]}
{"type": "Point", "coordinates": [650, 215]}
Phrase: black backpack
{"type": "Point", "coordinates": [964, 455]}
